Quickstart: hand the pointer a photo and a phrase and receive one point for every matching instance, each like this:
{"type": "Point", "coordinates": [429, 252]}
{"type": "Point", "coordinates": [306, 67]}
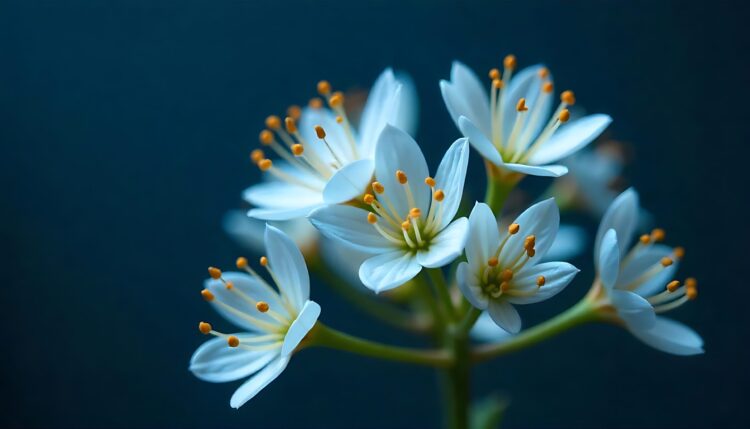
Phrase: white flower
{"type": "Point", "coordinates": [274, 321]}
{"type": "Point", "coordinates": [248, 232]}
{"type": "Point", "coordinates": [327, 161]}
{"type": "Point", "coordinates": [634, 282]}
{"type": "Point", "coordinates": [486, 330]}
{"type": "Point", "coordinates": [505, 270]}
{"type": "Point", "coordinates": [513, 128]}
{"type": "Point", "coordinates": [410, 225]}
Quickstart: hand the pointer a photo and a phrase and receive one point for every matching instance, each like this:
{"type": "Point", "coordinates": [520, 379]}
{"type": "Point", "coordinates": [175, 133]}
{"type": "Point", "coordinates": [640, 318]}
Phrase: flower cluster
{"type": "Point", "coordinates": [355, 201]}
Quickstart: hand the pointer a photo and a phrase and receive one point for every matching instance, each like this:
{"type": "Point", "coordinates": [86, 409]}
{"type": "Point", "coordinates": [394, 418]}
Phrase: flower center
{"type": "Point", "coordinates": [497, 279]}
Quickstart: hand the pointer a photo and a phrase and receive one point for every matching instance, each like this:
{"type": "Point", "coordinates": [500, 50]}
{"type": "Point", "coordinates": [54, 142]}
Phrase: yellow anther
{"type": "Point", "coordinates": [494, 74]}
{"type": "Point", "coordinates": [205, 328]}
{"type": "Point", "coordinates": [658, 234]}
{"type": "Point", "coordinates": [429, 181]}
{"type": "Point", "coordinates": [492, 262]}
{"type": "Point", "coordinates": [529, 242]}
{"type": "Point", "coordinates": [297, 149]}
{"type": "Point", "coordinates": [401, 176]}
{"type": "Point", "coordinates": [207, 295]}
{"type": "Point", "coordinates": [294, 112]}
{"type": "Point", "coordinates": [241, 263]}
{"type": "Point", "coordinates": [514, 228]}
{"type": "Point", "coordinates": [273, 122]}
{"type": "Point", "coordinates": [339, 119]}
{"type": "Point", "coordinates": [291, 127]}
{"type": "Point", "coordinates": [324, 88]}
{"type": "Point", "coordinates": [543, 72]}
{"type": "Point", "coordinates": [564, 115]}
{"type": "Point", "coordinates": [666, 261]}
{"type": "Point", "coordinates": [540, 281]}
{"type": "Point", "coordinates": [263, 261]}
{"type": "Point", "coordinates": [691, 282]}
{"type": "Point", "coordinates": [679, 252]}
{"type": "Point", "coordinates": [439, 195]}
{"type": "Point", "coordinates": [510, 62]}
{"type": "Point", "coordinates": [315, 103]}
{"type": "Point", "coordinates": [233, 341]}
{"type": "Point", "coordinates": [262, 306]}
{"type": "Point", "coordinates": [497, 84]}
{"type": "Point", "coordinates": [320, 132]}
{"type": "Point", "coordinates": [378, 187]}
{"type": "Point", "coordinates": [257, 155]}
{"type": "Point", "coordinates": [405, 225]}
{"type": "Point", "coordinates": [691, 293]}
{"type": "Point", "coordinates": [568, 97]}
{"type": "Point", "coordinates": [673, 285]}
{"type": "Point", "coordinates": [265, 137]}
{"type": "Point", "coordinates": [531, 252]}
{"type": "Point", "coordinates": [214, 272]}
{"type": "Point", "coordinates": [336, 100]}
{"type": "Point", "coordinates": [371, 218]}
{"type": "Point", "coordinates": [265, 164]}
{"type": "Point", "coordinates": [521, 105]}
{"type": "Point", "coordinates": [415, 212]}
{"type": "Point", "coordinates": [506, 275]}
{"type": "Point", "coordinates": [645, 239]}
{"type": "Point", "coordinates": [504, 286]}
{"type": "Point", "coordinates": [368, 198]}
{"type": "Point", "coordinates": [229, 285]}
{"type": "Point", "coordinates": [547, 87]}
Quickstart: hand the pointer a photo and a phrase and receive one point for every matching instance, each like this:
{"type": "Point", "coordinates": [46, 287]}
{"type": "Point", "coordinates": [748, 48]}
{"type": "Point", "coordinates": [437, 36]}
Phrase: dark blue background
{"type": "Point", "coordinates": [125, 129]}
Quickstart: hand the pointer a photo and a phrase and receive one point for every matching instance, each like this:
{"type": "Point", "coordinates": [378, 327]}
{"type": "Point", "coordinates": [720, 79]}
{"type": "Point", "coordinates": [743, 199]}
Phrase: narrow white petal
{"type": "Point", "coordinates": [258, 382]}
{"type": "Point", "coordinates": [536, 170]}
{"type": "Point", "coordinates": [505, 315]}
{"type": "Point", "coordinates": [525, 84]}
{"type": "Point", "coordinates": [479, 141]}
{"type": "Point", "coordinates": [349, 182]}
{"type": "Point", "coordinates": [450, 177]}
{"type": "Point", "coordinates": [248, 232]}
{"type": "Point", "coordinates": [644, 260]}
{"type": "Point", "coordinates": [469, 286]}
{"type": "Point", "coordinates": [633, 309]}
{"type": "Point", "coordinates": [487, 331]}
{"type": "Point", "coordinates": [282, 214]}
{"type": "Point", "coordinates": [250, 291]}
{"type": "Point", "coordinates": [388, 270]}
{"type": "Point", "coordinates": [277, 194]}
{"type": "Point", "coordinates": [288, 266]}
{"type": "Point", "coordinates": [671, 337]}
{"type": "Point", "coordinates": [622, 216]}
{"type": "Point", "coordinates": [557, 275]}
{"type": "Point", "coordinates": [465, 95]}
{"type": "Point", "coordinates": [540, 220]}
{"type": "Point", "coordinates": [608, 260]}
{"type": "Point", "coordinates": [300, 327]}
{"type": "Point", "coordinates": [216, 362]}
{"type": "Point", "coordinates": [484, 236]}
{"type": "Point", "coordinates": [349, 226]}
{"type": "Point", "coordinates": [446, 246]}
{"type": "Point", "coordinates": [570, 138]}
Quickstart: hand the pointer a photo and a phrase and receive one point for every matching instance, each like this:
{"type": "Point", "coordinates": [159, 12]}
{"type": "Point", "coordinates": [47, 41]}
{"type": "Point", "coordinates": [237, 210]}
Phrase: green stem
{"type": "Point", "coordinates": [437, 280]}
{"type": "Point", "coordinates": [325, 336]}
{"type": "Point", "coordinates": [499, 185]}
{"type": "Point", "coordinates": [456, 384]}
{"type": "Point", "coordinates": [580, 313]}
{"type": "Point", "coordinates": [469, 319]}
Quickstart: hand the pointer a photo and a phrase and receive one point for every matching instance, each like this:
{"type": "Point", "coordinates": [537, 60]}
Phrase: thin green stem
{"type": "Point", "coordinates": [469, 319]}
{"type": "Point", "coordinates": [423, 288]}
{"type": "Point", "coordinates": [325, 336]}
{"type": "Point", "coordinates": [456, 384]}
{"type": "Point", "coordinates": [437, 280]}
{"type": "Point", "coordinates": [580, 313]}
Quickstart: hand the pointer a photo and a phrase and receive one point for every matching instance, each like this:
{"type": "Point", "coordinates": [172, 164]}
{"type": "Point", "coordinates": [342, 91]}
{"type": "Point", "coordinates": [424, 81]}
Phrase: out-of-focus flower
{"type": "Point", "coordinates": [411, 223]}
{"type": "Point", "coordinates": [486, 330]}
{"type": "Point", "coordinates": [274, 320]}
{"type": "Point", "coordinates": [248, 232]}
{"type": "Point", "coordinates": [325, 160]}
{"type": "Point", "coordinates": [501, 271]}
{"type": "Point", "coordinates": [636, 283]}
{"type": "Point", "coordinates": [514, 128]}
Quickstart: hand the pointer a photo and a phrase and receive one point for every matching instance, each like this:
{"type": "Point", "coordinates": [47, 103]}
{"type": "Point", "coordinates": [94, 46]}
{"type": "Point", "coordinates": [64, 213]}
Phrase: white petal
{"type": "Point", "coordinates": [258, 382]}
{"type": "Point", "coordinates": [343, 260]}
{"type": "Point", "coordinates": [541, 171]}
{"type": "Point", "coordinates": [469, 286]}
{"type": "Point", "coordinates": [349, 182]}
{"type": "Point", "coordinates": [479, 141]}
{"type": "Point", "coordinates": [671, 337]}
{"type": "Point", "coordinates": [540, 220]}
{"type": "Point", "coordinates": [644, 259]}
{"type": "Point", "coordinates": [505, 315]}
{"type": "Point", "coordinates": [622, 216]}
{"type": "Point", "coordinates": [446, 246]}
{"type": "Point", "coordinates": [633, 309]}
{"type": "Point", "coordinates": [282, 214]}
{"type": "Point", "coordinates": [484, 236]}
{"type": "Point", "coordinates": [569, 243]}
{"type": "Point", "coordinates": [557, 276]}
{"type": "Point", "coordinates": [450, 177]}
{"type": "Point", "coordinates": [249, 287]}
{"type": "Point", "coordinates": [248, 232]}
{"type": "Point", "coordinates": [525, 84]}
{"type": "Point", "coordinates": [216, 362]}
{"type": "Point", "coordinates": [288, 266]}
{"type": "Point", "coordinates": [388, 270]}
{"type": "Point", "coordinates": [570, 138]}
{"type": "Point", "coordinates": [608, 260]}
{"type": "Point", "coordinates": [300, 327]}
{"type": "Point", "coordinates": [486, 330]}
{"type": "Point", "coordinates": [465, 95]}
{"type": "Point", "coordinates": [349, 226]}
{"type": "Point", "coordinates": [277, 194]}
{"type": "Point", "coordinates": [395, 151]}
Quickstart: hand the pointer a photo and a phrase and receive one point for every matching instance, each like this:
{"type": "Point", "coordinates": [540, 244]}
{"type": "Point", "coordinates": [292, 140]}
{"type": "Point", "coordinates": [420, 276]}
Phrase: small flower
{"type": "Point", "coordinates": [410, 223]}
{"type": "Point", "coordinates": [636, 283]}
{"type": "Point", "coordinates": [275, 320]}
{"type": "Point", "coordinates": [504, 269]}
{"type": "Point", "coordinates": [325, 160]}
{"type": "Point", "coordinates": [513, 128]}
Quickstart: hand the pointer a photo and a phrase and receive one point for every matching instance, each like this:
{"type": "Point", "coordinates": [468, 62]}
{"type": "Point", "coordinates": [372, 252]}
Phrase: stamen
{"type": "Point", "coordinates": [568, 97]}
{"type": "Point", "coordinates": [324, 88]}
{"type": "Point", "coordinates": [368, 198]}
{"type": "Point", "coordinates": [294, 112]}
{"type": "Point", "coordinates": [339, 119]}
{"type": "Point", "coordinates": [497, 84]}
{"type": "Point", "coordinates": [666, 261]}
{"type": "Point", "coordinates": [540, 281]}
{"type": "Point", "coordinates": [547, 87]}
{"type": "Point", "coordinates": [229, 285]}
{"type": "Point", "coordinates": [207, 295]}
{"type": "Point", "coordinates": [401, 176]}
{"type": "Point", "coordinates": [505, 286]}
{"type": "Point", "coordinates": [336, 100]}
{"type": "Point", "coordinates": [543, 72]}
{"type": "Point", "coordinates": [257, 155]}
{"type": "Point", "coordinates": [679, 252]}
{"type": "Point", "coordinates": [262, 306]}
{"type": "Point", "coordinates": [509, 62]}
{"type": "Point", "coordinates": [513, 228]}
{"type": "Point", "coordinates": [564, 116]}
{"type": "Point", "coordinates": [673, 285]}
{"type": "Point", "coordinates": [265, 137]}
{"type": "Point", "coordinates": [415, 213]}
{"type": "Point", "coordinates": [320, 132]}
{"type": "Point", "coordinates": [265, 164]}
{"type": "Point", "coordinates": [429, 181]}
{"type": "Point", "coordinates": [658, 235]}
{"type": "Point", "coordinates": [291, 126]}
{"type": "Point", "coordinates": [494, 74]}
{"type": "Point", "coordinates": [371, 218]}
{"type": "Point", "coordinates": [439, 195]}
{"type": "Point", "coordinates": [492, 262]}
{"type": "Point", "coordinates": [506, 275]}
{"type": "Point", "coordinates": [233, 341]}
{"type": "Point", "coordinates": [521, 105]}
{"type": "Point", "coordinates": [205, 328]}
{"type": "Point", "coordinates": [645, 239]}
{"type": "Point", "coordinates": [378, 187]}
{"type": "Point", "coordinates": [214, 272]}
{"type": "Point", "coordinates": [273, 122]}
{"type": "Point", "coordinates": [315, 103]}
{"type": "Point", "coordinates": [263, 261]}
{"type": "Point", "coordinates": [297, 149]}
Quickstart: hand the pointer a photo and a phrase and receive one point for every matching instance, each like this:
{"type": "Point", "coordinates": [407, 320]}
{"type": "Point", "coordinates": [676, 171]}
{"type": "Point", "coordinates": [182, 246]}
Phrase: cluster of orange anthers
{"type": "Point", "coordinates": [496, 280]}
